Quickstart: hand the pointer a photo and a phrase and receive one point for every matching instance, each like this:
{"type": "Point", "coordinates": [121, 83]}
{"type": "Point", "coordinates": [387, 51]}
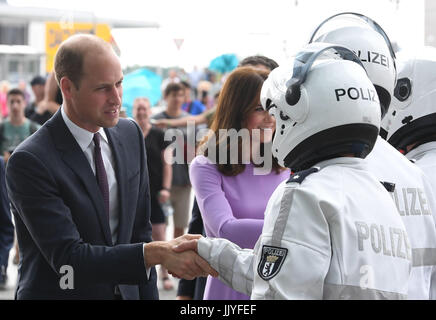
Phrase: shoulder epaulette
{"type": "Point", "coordinates": [301, 175]}
{"type": "Point", "coordinates": [388, 186]}
{"type": "Point", "coordinates": [413, 160]}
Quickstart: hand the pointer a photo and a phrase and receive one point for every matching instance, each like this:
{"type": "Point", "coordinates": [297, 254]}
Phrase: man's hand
{"type": "Point", "coordinates": [186, 264]}
{"type": "Point", "coordinates": [187, 244]}
{"type": "Point", "coordinates": [161, 123]}
{"type": "Point", "coordinates": [163, 196]}
{"type": "Point", "coordinates": [6, 156]}
{"type": "Point", "coordinates": [41, 107]}
{"type": "Point", "coordinates": [200, 268]}
{"type": "Point", "coordinates": [46, 105]}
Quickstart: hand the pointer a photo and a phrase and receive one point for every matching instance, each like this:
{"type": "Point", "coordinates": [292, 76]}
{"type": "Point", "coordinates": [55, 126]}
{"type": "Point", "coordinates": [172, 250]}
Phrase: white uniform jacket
{"type": "Point", "coordinates": [424, 156]}
{"type": "Point", "coordinates": [335, 234]}
{"type": "Point", "coordinates": [414, 199]}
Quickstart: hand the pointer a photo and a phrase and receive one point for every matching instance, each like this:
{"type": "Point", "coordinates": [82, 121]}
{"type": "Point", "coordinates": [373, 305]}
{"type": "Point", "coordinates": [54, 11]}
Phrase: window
{"type": "Point", "coordinates": [13, 34]}
{"type": "Point", "coordinates": [13, 66]}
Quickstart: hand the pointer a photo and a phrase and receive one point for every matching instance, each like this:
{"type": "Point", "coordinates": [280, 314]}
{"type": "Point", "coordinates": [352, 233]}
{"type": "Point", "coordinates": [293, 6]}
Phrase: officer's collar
{"type": "Point", "coordinates": [418, 152]}
{"type": "Point", "coordinates": [347, 161]}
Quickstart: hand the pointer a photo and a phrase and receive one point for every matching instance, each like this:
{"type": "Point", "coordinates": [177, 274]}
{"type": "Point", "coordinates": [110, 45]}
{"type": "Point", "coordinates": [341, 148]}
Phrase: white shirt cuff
{"type": "Point", "coordinates": [147, 270]}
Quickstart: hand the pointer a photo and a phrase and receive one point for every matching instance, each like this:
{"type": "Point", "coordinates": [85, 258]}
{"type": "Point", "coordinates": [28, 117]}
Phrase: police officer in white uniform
{"type": "Point", "coordinates": [412, 193]}
{"type": "Point", "coordinates": [411, 122]}
{"type": "Point", "coordinates": [332, 230]}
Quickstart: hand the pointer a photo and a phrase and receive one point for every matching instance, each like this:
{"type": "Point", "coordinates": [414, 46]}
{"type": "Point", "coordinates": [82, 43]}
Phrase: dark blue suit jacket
{"type": "Point", "coordinates": [6, 226]}
{"type": "Point", "coordinates": [60, 218]}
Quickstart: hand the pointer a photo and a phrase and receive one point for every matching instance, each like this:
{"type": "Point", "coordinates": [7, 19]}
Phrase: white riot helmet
{"type": "Point", "coordinates": [324, 106]}
{"type": "Point", "coordinates": [413, 114]}
{"type": "Point", "coordinates": [370, 43]}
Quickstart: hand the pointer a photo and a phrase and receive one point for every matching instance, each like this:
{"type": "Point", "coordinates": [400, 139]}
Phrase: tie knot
{"type": "Point", "coordinates": [96, 139]}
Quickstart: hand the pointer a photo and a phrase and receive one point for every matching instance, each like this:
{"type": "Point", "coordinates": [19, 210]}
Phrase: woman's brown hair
{"type": "Point", "coordinates": [238, 98]}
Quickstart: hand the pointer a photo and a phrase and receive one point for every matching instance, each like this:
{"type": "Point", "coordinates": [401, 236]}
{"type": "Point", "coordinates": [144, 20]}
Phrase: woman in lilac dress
{"type": "Point", "coordinates": [231, 183]}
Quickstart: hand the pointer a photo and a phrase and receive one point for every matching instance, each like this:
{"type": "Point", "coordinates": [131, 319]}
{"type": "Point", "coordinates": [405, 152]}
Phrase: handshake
{"type": "Point", "coordinates": [179, 256]}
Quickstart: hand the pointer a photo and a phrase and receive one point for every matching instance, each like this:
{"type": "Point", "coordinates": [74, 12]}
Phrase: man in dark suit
{"type": "Point", "coordinates": [6, 227]}
{"type": "Point", "coordinates": [80, 194]}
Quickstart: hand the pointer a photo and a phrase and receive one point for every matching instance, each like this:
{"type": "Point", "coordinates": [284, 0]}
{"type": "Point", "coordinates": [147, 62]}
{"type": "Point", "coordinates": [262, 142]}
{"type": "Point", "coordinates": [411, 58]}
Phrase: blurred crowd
{"type": "Point", "coordinates": [267, 234]}
{"type": "Point", "coordinates": [186, 97]}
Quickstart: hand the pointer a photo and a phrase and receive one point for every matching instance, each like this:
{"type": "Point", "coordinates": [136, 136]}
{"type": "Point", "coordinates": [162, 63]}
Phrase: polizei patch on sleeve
{"type": "Point", "coordinates": [271, 261]}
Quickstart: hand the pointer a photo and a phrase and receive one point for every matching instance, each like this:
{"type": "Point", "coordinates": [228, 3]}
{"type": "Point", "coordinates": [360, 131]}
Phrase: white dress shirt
{"type": "Point", "coordinates": [84, 139]}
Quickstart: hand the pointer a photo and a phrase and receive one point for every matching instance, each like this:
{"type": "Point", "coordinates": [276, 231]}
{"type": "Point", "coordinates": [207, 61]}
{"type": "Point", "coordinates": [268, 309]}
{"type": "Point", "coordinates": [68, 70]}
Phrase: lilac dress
{"type": "Point", "coordinates": [233, 208]}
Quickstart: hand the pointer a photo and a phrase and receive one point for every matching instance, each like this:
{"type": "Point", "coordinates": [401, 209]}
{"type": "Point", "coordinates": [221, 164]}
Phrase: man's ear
{"type": "Point", "coordinates": [67, 87]}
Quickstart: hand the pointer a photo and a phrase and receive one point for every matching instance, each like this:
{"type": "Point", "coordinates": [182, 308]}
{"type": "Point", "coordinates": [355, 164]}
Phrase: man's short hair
{"type": "Point", "coordinates": [15, 92]}
{"type": "Point", "coordinates": [70, 56]}
{"type": "Point", "coordinates": [38, 80]}
{"type": "Point", "coordinates": [68, 63]}
{"type": "Point", "coordinates": [256, 60]}
{"type": "Point", "coordinates": [173, 87]}
{"type": "Point", "coordinates": [185, 84]}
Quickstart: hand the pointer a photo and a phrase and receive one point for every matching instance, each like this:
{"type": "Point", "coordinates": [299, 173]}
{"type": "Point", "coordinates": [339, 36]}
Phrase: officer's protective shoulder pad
{"type": "Point", "coordinates": [301, 175]}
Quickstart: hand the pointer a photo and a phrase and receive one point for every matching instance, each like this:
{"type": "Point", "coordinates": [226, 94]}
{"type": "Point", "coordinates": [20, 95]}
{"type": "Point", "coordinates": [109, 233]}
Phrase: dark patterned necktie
{"type": "Point", "coordinates": [100, 172]}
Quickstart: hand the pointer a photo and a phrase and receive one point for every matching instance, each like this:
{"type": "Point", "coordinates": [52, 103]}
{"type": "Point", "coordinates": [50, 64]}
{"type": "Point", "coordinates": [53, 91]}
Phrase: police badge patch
{"type": "Point", "coordinates": [271, 261]}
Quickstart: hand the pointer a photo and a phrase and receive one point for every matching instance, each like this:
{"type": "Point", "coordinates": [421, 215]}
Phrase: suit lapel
{"type": "Point", "coordinates": [74, 157]}
{"type": "Point", "coordinates": [119, 154]}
